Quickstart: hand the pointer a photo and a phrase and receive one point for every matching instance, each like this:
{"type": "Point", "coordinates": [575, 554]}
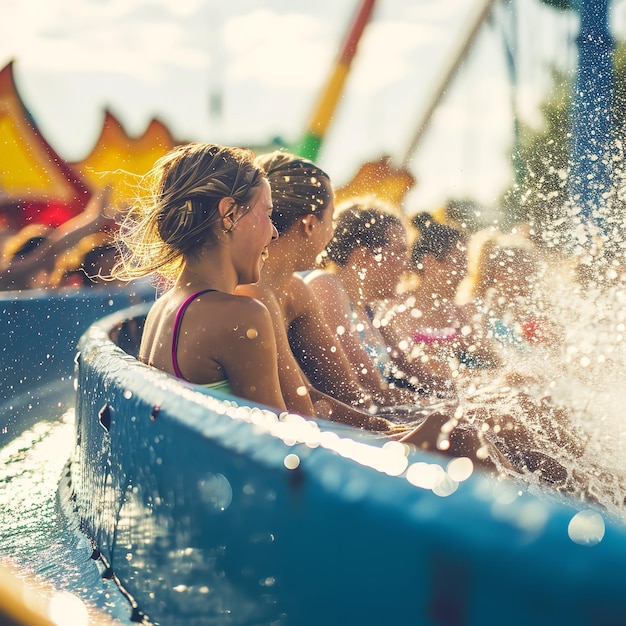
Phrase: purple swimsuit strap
{"type": "Point", "coordinates": [177, 321]}
{"type": "Point", "coordinates": [444, 335]}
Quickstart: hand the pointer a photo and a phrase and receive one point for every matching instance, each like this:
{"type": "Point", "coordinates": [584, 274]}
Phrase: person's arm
{"type": "Point", "coordinates": [293, 385]}
{"type": "Point", "coordinates": [321, 353]}
{"type": "Point", "coordinates": [327, 407]}
{"type": "Point", "coordinates": [329, 301]}
{"type": "Point", "coordinates": [315, 402]}
{"type": "Point", "coordinates": [251, 365]}
{"type": "Point", "coordinates": [68, 234]}
{"type": "Point", "coordinates": [17, 273]}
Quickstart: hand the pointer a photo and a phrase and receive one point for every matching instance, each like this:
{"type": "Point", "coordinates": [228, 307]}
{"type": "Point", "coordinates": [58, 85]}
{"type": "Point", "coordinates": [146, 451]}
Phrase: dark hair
{"type": "Point", "coordinates": [299, 187]}
{"type": "Point", "coordinates": [434, 238]}
{"type": "Point", "coordinates": [360, 224]}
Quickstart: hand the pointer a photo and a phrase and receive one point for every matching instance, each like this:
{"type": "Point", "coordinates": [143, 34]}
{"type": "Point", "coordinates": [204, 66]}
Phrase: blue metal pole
{"type": "Point", "coordinates": [590, 175]}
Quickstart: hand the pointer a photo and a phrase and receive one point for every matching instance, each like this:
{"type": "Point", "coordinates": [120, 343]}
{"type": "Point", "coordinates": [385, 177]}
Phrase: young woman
{"type": "Point", "coordinates": [424, 321]}
{"type": "Point", "coordinates": [205, 228]}
{"type": "Point", "coordinates": [502, 304]}
{"type": "Point", "coordinates": [362, 266]}
{"type": "Point", "coordinates": [303, 215]}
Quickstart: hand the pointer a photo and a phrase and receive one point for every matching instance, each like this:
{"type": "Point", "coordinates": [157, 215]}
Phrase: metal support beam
{"type": "Point", "coordinates": [590, 176]}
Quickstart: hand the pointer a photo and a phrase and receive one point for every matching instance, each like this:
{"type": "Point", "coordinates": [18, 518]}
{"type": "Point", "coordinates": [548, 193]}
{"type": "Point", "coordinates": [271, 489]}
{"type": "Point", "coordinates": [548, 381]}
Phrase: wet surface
{"type": "Point", "coordinates": [36, 537]}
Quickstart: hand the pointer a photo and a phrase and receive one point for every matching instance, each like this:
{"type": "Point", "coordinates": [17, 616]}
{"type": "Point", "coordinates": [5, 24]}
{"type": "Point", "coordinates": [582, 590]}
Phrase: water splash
{"type": "Point", "coordinates": [555, 319]}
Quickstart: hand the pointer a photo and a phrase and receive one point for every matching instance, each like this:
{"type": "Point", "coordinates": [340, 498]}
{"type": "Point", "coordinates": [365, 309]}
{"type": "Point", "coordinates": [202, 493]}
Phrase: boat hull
{"type": "Point", "coordinates": [209, 511]}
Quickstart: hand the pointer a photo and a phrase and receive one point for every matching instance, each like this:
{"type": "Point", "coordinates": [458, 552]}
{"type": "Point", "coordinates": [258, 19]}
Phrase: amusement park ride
{"type": "Point", "coordinates": [190, 508]}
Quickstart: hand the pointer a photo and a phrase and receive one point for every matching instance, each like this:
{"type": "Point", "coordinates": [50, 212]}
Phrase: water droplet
{"type": "Point", "coordinates": [425, 475]}
{"type": "Point", "coordinates": [586, 528]}
{"type": "Point", "coordinates": [460, 469]}
{"type": "Point", "coordinates": [215, 490]}
{"type": "Point", "coordinates": [66, 608]}
{"type": "Point", "coordinates": [291, 461]}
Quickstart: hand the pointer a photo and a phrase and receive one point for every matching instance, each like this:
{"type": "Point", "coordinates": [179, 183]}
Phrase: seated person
{"type": "Point", "coordinates": [363, 264]}
{"type": "Point", "coordinates": [425, 321]}
{"type": "Point", "coordinates": [17, 253]}
{"type": "Point", "coordinates": [87, 264]}
{"type": "Point", "coordinates": [303, 202]}
{"type": "Point", "coordinates": [500, 304]}
{"type": "Point", "coordinates": [205, 228]}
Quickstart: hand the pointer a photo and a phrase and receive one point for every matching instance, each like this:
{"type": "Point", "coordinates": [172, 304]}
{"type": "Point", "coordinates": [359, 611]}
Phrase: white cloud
{"type": "Point", "coordinates": [272, 49]}
{"type": "Point", "coordinates": [142, 40]}
{"type": "Point", "coordinates": [387, 54]}
{"type": "Point", "coordinates": [436, 10]}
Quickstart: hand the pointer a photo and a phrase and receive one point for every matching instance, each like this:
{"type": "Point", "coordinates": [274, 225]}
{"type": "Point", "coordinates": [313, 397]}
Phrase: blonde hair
{"type": "Point", "coordinates": [178, 214]}
{"type": "Point", "coordinates": [495, 252]}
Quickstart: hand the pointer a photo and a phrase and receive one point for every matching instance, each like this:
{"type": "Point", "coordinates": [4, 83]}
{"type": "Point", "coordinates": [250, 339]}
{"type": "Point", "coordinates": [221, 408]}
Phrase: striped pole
{"type": "Point", "coordinates": [311, 142]}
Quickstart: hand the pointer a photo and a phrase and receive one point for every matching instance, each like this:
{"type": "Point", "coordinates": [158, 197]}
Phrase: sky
{"type": "Point", "coordinates": [267, 62]}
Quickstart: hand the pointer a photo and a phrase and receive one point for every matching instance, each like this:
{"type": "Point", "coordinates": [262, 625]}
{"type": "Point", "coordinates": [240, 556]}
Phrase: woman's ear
{"type": "Point", "coordinates": [308, 224]}
{"type": "Point", "coordinates": [225, 208]}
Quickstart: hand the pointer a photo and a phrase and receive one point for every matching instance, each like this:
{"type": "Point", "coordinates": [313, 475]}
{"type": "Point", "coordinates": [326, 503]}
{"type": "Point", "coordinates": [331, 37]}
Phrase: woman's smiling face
{"type": "Point", "coordinates": [252, 235]}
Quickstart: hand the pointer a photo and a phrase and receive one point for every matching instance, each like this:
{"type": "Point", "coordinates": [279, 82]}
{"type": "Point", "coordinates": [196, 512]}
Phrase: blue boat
{"type": "Point", "coordinates": [210, 511]}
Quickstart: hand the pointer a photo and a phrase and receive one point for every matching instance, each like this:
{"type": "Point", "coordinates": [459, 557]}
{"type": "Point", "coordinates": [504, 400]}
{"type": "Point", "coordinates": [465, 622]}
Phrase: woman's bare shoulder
{"type": "Point", "coordinates": [324, 278]}
{"type": "Point", "coordinates": [299, 292]}
{"type": "Point", "coordinates": [242, 305]}
{"type": "Point", "coordinates": [325, 285]}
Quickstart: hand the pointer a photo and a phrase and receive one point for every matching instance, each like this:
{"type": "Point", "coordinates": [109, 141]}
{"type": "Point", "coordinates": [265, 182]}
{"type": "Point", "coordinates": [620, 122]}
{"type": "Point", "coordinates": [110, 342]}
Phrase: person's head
{"type": "Point", "coordinates": [196, 194]}
{"type": "Point", "coordinates": [303, 200]}
{"type": "Point", "coordinates": [438, 248]}
{"type": "Point", "coordinates": [370, 238]}
{"type": "Point", "coordinates": [511, 270]}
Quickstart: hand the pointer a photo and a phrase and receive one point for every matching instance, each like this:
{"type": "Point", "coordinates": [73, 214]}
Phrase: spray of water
{"type": "Point", "coordinates": [554, 315]}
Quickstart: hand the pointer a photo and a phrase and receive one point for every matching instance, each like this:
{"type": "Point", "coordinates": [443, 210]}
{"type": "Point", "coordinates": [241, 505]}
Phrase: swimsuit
{"type": "Point", "coordinates": [376, 348]}
{"type": "Point", "coordinates": [436, 336]}
{"type": "Point", "coordinates": [220, 385]}
{"type": "Point", "coordinates": [372, 344]}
